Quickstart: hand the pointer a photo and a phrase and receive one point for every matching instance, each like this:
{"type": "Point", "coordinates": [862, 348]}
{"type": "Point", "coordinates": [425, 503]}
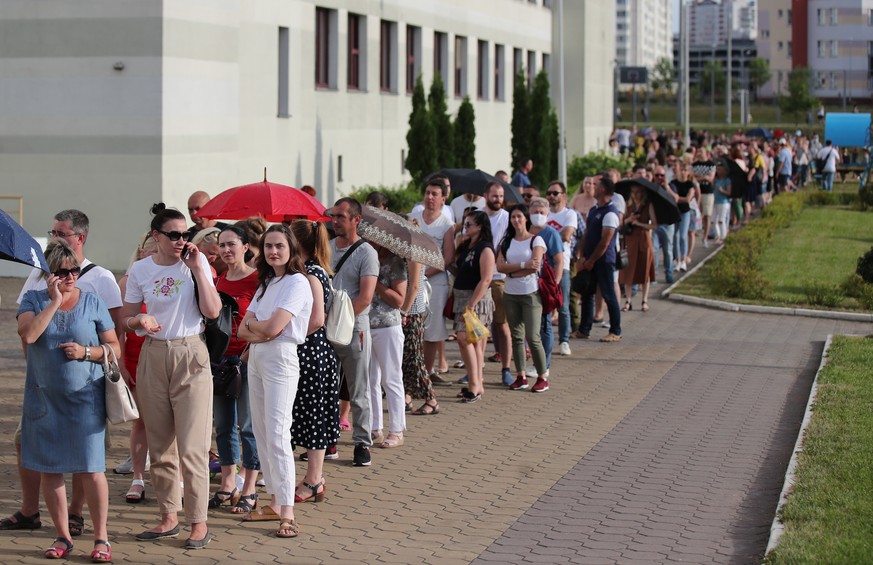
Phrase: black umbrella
{"type": "Point", "coordinates": [473, 181]}
{"type": "Point", "coordinates": [763, 133]}
{"type": "Point", "coordinates": [17, 245]}
{"type": "Point", "coordinates": [666, 209]}
{"type": "Point", "coordinates": [739, 179]}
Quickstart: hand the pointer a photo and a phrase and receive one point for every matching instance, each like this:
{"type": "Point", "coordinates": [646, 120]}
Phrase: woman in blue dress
{"type": "Point", "coordinates": [63, 329]}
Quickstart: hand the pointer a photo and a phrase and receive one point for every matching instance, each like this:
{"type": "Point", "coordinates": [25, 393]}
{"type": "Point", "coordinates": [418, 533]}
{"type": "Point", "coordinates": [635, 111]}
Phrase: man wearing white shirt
{"type": "Point", "coordinates": [446, 211]}
{"type": "Point", "coordinates": [499, 327]}
{"type": "Point", "coordinates": [72, 226]}
{"type": "Point", "coordinates": [831, 157]}
{"type": "Point", "coordinates": [460, 204]}
{"type": "Point", "coordinates": [564, 221]}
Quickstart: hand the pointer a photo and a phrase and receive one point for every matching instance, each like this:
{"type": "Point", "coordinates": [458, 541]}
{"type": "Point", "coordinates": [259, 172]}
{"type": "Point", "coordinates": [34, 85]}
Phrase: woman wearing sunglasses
{"type": "Point", "coordinates": [63, 328]}
{"type": "Point", "coordinates": [174, 380]}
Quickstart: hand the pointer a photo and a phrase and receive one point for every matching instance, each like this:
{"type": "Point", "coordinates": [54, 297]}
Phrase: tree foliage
{"type": "Point", "coordinates": [759, 73]}
{"type": "Point", "coordinates": [464, 130]}
{"type": "Point", "coordinates": [712, 74]}
{"type": "Point", "coordinates": [421, 158]}
{"type": "Point", "coordinates": [543, 148]}
{"type": "Point", "coordinates": [442, 124]}
{"type": "Point", "coordinates": [798, 101]}
{"type": "Point", "coordinates": [663, 75]}
{"type": "Point", "coordinates": [521, 142]}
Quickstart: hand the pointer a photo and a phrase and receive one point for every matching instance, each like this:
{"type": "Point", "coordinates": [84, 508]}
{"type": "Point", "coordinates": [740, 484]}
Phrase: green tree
{"type": "Point", "coordinates": [421, 158]}
{"type": "Point", "coordinates": [759, 74]}
{"type": "Point", "coordinates": [442, 124]}
{"type": "Point", "coordinates": [465, 136]}
{"type": "Point", "coordinates": [798, 101]}
{"type": "Point", "coordinates": [663, 75]}
{"type": "Point", "coordinates": [542, 132]}
{"type": "Point", "coordinates": [521, 142]}
{"type": "Point", "coordinates": [713, 74]}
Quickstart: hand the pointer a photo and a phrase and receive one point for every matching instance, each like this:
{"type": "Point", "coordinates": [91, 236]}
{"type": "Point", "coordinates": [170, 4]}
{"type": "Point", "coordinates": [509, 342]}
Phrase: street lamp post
{"type": "Point", "coordinates": [730, 48]}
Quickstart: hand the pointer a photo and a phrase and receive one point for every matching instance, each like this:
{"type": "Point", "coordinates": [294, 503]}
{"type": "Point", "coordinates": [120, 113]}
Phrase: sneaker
{"type": "Point", "coordinates": [705, 243]}
{"type": "Point", "coordinates": [519, 384]}
{"type": "Point", "coordinates": [669, 278]}
{"type": "Point", "coordinates": [261, 482]}
{"type": "Point", "coordinates": [542, 385]}
{"type": "Point", "coordinates": [565, 348]}
{"type": "Point", "coordinates": [362, 456]}
{"type": "Point", "coordinates": [531, 371]}
{"type": "Point", "coordinates": [463, 380]}
{"type": "Point", "coordinates": [125, 467]}
{"type": "Point", "coordinates": [604, 325]}
{"type": "Point", "coordinates": [495, 358]}
{"type": "Point", "coordinates": [508, 379]}
{"type": "Point", "coordinates": [439, 380]}
{"type": "Point", "coordinates": [331, 452]}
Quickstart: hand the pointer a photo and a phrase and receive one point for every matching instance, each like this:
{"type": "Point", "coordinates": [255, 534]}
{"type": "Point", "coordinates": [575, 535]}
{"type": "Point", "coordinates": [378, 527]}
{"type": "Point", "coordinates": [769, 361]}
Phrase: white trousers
{"type": "Point", "coordinates": [274, 373]}
{"type": "Point", "coordinates": [386, 371]}
{"type": "Point", "coordinates": [722, 219]}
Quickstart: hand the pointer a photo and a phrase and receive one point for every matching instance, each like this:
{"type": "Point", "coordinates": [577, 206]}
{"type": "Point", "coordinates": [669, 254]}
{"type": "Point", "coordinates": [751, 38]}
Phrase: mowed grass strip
{"type": "Point", "coordinates": [829, 516]}
{"type": "Point", "coordinates": [821, 246]}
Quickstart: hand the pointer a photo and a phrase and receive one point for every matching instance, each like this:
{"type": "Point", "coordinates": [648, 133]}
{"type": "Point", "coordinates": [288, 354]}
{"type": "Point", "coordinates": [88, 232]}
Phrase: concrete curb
{"type": "Point", "coordinates": [777, 528]}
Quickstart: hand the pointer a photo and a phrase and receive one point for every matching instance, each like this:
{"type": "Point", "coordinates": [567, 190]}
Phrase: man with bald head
{"type": "Point", "coordinates": [195, 202]}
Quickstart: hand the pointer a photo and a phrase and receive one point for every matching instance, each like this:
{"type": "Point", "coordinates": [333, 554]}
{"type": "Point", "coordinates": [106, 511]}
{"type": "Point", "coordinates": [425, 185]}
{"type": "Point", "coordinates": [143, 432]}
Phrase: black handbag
{"type": "Point", "coordinates": [583, 282]}
{"type": "Point", "coordinates": [218, 330]}
{"type": "Point", "coordinates": [227, 377]}
{"type": "Point", "coordinates": [621, 259]}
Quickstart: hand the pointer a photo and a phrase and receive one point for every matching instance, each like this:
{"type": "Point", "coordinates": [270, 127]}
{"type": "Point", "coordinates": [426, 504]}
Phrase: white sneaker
{"type": "Point", "coordinates": [530, 371]}
{"type": "Point", "coordinates": [564, 349]}
{"type": "Point", "coordinates": [705, 243]}
{"type": "Point", "coordinates": [125, 467]}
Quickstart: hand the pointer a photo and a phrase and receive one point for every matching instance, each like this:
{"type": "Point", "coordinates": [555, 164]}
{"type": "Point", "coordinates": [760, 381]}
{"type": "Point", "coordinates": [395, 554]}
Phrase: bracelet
{"type": "Point", "coordinates": [87, 353]}
{"type": "Point", "coordinates": [247, 325]}
{"type": "Point", "coordinates": [522, 264]}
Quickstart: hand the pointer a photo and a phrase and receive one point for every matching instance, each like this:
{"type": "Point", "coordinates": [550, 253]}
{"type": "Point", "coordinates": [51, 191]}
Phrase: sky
{"type": "Point", "coordinates": [675, 15]}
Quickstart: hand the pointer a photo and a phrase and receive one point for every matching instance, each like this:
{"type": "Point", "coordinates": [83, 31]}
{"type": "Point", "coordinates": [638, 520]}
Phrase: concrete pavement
{"type": "Point", "coordinates": [670, 446]}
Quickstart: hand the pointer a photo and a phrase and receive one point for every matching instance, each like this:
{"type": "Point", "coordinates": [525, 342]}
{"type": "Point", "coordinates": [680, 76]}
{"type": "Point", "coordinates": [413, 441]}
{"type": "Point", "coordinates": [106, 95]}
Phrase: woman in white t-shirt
{"type": "Point", "coordinates": [275, 324]}
{"type": "Point", "coordinates": [174, 380]}
{"type": "Point", "coordinates": [520, 257]}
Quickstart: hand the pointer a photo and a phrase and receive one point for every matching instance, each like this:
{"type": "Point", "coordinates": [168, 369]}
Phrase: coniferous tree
{"type": "Point", "coordinates": [521, 139]}
{"type": "Point", "coordinates": [442, 124]}
{"type": "Point", "coordinates": [421, 158]}
{"type": "Point", "coordinates": [465, 136]}
{"type": "Point", "coordinates": [542, 134]}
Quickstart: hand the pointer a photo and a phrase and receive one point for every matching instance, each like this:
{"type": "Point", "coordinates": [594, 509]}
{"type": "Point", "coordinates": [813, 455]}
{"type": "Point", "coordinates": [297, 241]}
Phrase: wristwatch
{"type": "Point", "coordinates": [87, 353]}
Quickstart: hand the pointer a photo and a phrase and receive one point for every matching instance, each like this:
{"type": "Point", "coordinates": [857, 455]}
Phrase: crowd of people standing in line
{"type": "Point", "coordinates": [300, 390]}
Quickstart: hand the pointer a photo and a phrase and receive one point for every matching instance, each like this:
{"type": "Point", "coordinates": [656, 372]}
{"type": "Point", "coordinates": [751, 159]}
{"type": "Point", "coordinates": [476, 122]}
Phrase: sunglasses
{"type": "Point", "coordinates": [469, 224]}
{"type": "Point", "coordinates": [553, 193]}
{"type": "Point", "coordinates": [174, 235]}
{"type": "Point", "coordinates": [527, 196]}
{"type": "Point", "coordinates": [64, 273]}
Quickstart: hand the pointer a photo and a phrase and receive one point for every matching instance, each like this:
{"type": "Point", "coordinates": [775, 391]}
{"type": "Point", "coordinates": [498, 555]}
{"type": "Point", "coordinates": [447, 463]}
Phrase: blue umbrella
{"type": "Point", "coordinates": [17, 245]}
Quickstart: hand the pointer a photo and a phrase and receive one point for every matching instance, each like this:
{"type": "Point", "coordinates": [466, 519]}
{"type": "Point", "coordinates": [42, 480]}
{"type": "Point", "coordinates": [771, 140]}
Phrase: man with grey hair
{"type": "Point", "coordinates": [71, 226]}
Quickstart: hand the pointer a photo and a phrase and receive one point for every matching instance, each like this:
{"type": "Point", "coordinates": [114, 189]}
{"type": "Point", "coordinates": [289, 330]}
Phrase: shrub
{"type": "Point", "coordinates": [822, 294]}
{"type": "Point", "coordinates": [866, 296]}
{"type": "Point", "coordinates": [582, 166]}
{"type": "Point", "coordinates": [401, 199]}
{"type": "Point", "coordinates": [865, 266]}
{"type": "Point", "coordinates": [865, 198]}
{"type": "Point", "coordinates": [853, 285]}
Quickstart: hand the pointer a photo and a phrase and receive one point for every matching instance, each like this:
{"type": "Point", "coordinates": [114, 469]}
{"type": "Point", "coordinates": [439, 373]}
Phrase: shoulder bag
{"type": "Point", "coordinates": [218, 330]}
{"type": "Point", "coordinates": [340, 322]}
{"type": "Point", "coordinates": [549, 288]}
{"type": "Point", "coordinates": [120, 406]}
{"type": "Point", "coordinates": [227, 377]}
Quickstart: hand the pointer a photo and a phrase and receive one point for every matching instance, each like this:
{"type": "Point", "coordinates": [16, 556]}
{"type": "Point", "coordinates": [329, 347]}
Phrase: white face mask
{"type": "Point", "coordinates": [538, 220]}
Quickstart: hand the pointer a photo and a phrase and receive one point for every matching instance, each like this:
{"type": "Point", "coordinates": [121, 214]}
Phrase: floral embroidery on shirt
{"type": "Point", "coordinates": [166, 286]}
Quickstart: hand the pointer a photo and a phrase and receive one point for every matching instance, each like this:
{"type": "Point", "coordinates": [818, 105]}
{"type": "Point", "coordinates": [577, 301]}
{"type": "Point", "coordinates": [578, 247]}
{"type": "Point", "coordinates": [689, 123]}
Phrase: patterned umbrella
{"type": "Point", "coordinates": [399, 236]}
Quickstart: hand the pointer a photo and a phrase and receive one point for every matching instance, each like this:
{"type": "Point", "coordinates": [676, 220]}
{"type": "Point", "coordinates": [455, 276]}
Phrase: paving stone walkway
{"type": "Point", "coordinates": [670, 446]}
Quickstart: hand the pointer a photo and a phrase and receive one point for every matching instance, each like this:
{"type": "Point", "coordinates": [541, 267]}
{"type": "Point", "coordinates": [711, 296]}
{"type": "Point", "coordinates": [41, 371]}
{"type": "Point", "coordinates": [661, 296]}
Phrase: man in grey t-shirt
{"type": "Point", "coordinates": [357, 276]}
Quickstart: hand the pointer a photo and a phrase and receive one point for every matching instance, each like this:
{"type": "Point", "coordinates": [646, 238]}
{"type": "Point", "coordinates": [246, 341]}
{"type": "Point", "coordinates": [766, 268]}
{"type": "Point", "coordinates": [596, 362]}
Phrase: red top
{"type": "Point", "coordinates": [242, 291]}
{"type": "Point", "coordinates": [132, 347]}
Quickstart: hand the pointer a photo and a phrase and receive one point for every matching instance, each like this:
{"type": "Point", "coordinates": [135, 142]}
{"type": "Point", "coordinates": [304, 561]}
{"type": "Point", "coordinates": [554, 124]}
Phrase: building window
{"type": "Point", "coordinates": [833, 80]}
{"type": "Point", "coordinates": [460, 66]}
{"type": "Point", "coordinates": [547, 63]}
{"type": "Point", "coordinates": [413, 56]}
{"type": "Point", "coordinates": [357, 55]}
{"type": "Point", "coordinates": [779, 45]}
{"type": "Point", "coordinates": [870, 50]}
{"type": "Point", "coordinates": [441, 55]}
{"type": "Point", "coordinates": [779, 13]}
{"type": "Point", "coordinates": [834, 16]}
{"type": "Point", "coordinates": [517, 62]}
{"type": "Point", "coordinates": [388, 56]}
{"type": "Point", "coordinates": [482, 71]}
{"type": "Point", "coordinates": [822, 19]}
{"type": "Point", "coordinates": [499, 62]}
{"type": "Point", "coordinates": [835, 48]}
{"type": "Point", "coordinates": [531, 68]}
{"type": "Point", "coordinates": [790, 51]}
{"type": "Point", "coordinates": [283, 74]}
{"type": "Point", "coordinates": [789, 17]}
{"type": "Point", "coordinates": [325, 48]}
{"type": "Point", "coordinates": [870, 17]}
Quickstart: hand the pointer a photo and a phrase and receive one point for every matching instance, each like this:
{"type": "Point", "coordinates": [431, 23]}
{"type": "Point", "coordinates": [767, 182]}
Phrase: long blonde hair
{"type": "Point", "coordinates": [313, 239]}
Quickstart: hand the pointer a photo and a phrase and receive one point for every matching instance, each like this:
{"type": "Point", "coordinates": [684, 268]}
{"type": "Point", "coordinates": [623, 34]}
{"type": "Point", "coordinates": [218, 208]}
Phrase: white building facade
{"type": "Point", "coordinates": [643, 32]}
{"type": "Point", "coordinates": [111, 105]}
{"type": "Point", "coordinates": [840, 48]}
{"type": "Point", "coordinates": [708, 21]}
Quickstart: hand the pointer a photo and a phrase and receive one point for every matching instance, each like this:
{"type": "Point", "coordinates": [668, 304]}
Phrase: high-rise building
{"type": "Point", "coordinates": [643, 32]}
{"type": "Point", "coordinates": [839, 47]}
{"type": "Point", "coordinates": [775, 43]}
{"type": "Point", "coordinates": [708, 20]}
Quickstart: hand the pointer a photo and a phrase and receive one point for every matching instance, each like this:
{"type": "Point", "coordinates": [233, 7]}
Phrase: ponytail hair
{"type": "Point", "coordinates": [313, 239]}
{"type": "Point", "coordinates": [162, 215]}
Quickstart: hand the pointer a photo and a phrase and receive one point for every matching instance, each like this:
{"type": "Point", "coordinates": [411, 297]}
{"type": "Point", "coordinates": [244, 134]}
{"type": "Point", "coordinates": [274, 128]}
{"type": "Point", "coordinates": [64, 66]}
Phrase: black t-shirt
{"type": "Point", "coordinates": [469, 274]}
{"type": "Point", "coordinates": [706, 187]}
{"type": "Point", "coordinates": [682, 189]}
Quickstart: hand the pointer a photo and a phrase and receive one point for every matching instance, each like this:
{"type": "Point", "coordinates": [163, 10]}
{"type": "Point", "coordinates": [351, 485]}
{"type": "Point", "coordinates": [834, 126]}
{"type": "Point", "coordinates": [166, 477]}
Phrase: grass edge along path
{"type": "Point", "coordinates": [828, 516]}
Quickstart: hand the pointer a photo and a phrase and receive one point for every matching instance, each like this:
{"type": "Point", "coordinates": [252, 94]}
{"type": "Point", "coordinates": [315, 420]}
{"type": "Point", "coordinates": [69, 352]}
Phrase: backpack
{"type": "Point", "coordinates": [550, 289]}
{"type": "Point", "coordinates": [340, 322]}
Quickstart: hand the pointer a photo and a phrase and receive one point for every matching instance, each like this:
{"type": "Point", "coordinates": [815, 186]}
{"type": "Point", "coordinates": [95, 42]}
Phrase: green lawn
{"type": "Point", "coordinates": [821, 246]}
{"type": "Point", "coordinates": [829, 516]}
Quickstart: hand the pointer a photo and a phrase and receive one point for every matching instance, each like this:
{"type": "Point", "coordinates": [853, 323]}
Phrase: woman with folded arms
{"type": "Point", "coordinates": [63, 329]}
{"type": "Point", "coordinates": [174, 377]}
{"type": "Point", "coordinates": [275, 324]}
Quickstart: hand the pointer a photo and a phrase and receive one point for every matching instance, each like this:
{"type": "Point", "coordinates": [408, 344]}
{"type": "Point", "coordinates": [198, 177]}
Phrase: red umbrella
{"type": "Point", "coordinates": [272, 201]}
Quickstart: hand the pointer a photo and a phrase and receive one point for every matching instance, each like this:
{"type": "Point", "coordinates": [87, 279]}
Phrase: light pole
{"type": "Point", "coordinates": [729, 31]}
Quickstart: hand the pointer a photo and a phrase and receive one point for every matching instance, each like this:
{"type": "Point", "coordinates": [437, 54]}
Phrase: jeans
{"type": "Point", "coordinates": [604, 273]}
{"type": "Point", "coordinates": [564, 324]}
{"type": "Point", "coordinates": [664, 239]}
{"type": "Point", "coordinates": [355, 362]}
{"type": "Point", "coordinates": [547, 337]}
{"type": "Point", "coordinates": [524, 312]}
{"type": "Point", "coordinates": [680, 239]}
{"type": "Point", "coordinates": [230, 413]}
{"type": "Point", "coordinates": [827, 181]}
